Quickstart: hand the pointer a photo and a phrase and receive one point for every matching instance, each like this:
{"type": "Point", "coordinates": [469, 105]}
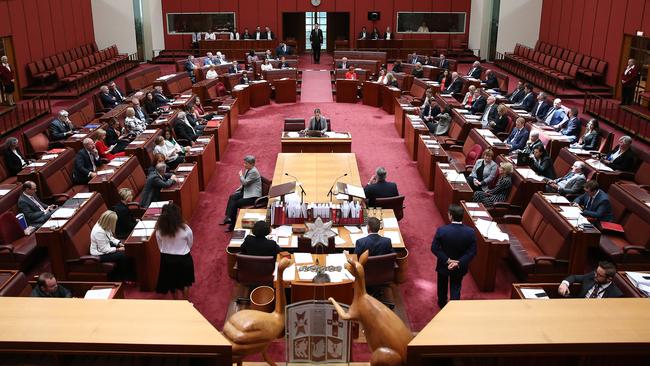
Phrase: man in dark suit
{"type": "Point", "coordinates": [115, 91]}
{"type": "Point", "coordinates": [454, 245]}
{"type": "Point", "coordinates": [388, 35]}
{"type": "Point", "coordinates": [36, 212]}
{"type": "Point", "coordinates": [61, 127]}
{"type": "Point", "coordinates": [475, 71]}
{"type": "Point", "coordinates": [282, 49]}
{"type": "Point", "coordinates": [571, 127]}
{"type": "Point", "coordinates": [258, 34]}
{"type": "Point", "coordinates": [518, 94]}
{"type": "Point", "coordinates": [184, 129]}
{"type": "Point", "coordinates": [189, 67]}
{"type": "Point", "coordinates": [527, 101]}
{"type": "Point", "coordinates": [364, 33]}
{"type": "Point", "coordinates": [491, 81]}
{"type": "Point", "coordinates": [479, 103]}
{"type": "Point", "coordinates": [14, 159]}
{"type": "Point", "coordinates": [156, 181]}
{"type": "Point", "coordinates": [595, 285]}
{"type": "Point", "coordinates": [108, 100]}
{"type": "Point", "coordinates": [622, 157]}
{"type": "Point", "coordinates": [343, 64]}
{"type": "Point", "coordinates": [140, 113]}
{"type": "Point", "coordinates": [316, 39]}
{"type": "Point", "coordinates": [267, 34]}
{"type": "Point", "coordinates": [86, 163]}
{"type": "Point", "coordinates": [244, 78]}
{"type": "Point", "coordinates": [490, 113]}
{"type": "Point", "coordinates": [540, 110]}
{"type": "Point", "coordinates": [257, 244]}
{"type": "Point", "coordinates": [378, 187]}
{"type": "Point", "coordinates": [456, 84]}
{"type": "Point", "coordinates": [283, 63]}
{"type": "Point", "coordinates": [159, 98]}
{"type": "Point", "coordinates": [518, 136]}
{"type": "Point", "coordinates": [628, 82]}
{"type": "Point", "coordinates": [595, 203]}
{"type": "Point", "coordinates": [246, 34]}
{"type": "Point", "coordinates": [443, 63]}
{"type": "Point", "coordinates": [533, 142]}
{"type": "Point", "coordinates": [374, 243]}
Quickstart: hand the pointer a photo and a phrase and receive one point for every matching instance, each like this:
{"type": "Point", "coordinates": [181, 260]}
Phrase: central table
{"type": "Point", "coordinates": [332, 142]}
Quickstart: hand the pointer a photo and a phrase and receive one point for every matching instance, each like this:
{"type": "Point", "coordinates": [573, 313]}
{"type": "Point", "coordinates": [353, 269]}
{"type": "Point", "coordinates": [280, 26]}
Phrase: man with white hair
{"type": "Point", "coordinates": [490, 114]}
{"type": "Point", "coordinates": [159, 97]}
{"type": "Point", "coordinates": [343, 64]}
{"type": "Point", "coordinates": [86, 163]}
{"type": "Point", "coordinates": [456, 84]}
{"type": "Point", "coordinates": [156, 181]}
{"type": "Point", "coordinates": [533, 142]}
{"type": "Point", "coordinates": [556, 115]}
{"type": "Point", "coordinates": [61, 127]}
{"type": "Point", "coordinates": [622, 157]}
{"type": "Point", "coordinates": [140, 113]}
{"type": "Point", "coordinates": [475, 71]}
{"type": "Point", "coordinates": [541, 108]}
{"type": "Point", "coordinates": [249, 190]}
{"type": "Point", "coordinates": [571, 183]}
{"type": "Point", "coordinates": [184, 130]}
{"type": "Point", "coordinates": [209, 59]}
{"type": "Point", "coordinates": [115, 92]}
{"type": "Point", "coordinates": [108, 100]}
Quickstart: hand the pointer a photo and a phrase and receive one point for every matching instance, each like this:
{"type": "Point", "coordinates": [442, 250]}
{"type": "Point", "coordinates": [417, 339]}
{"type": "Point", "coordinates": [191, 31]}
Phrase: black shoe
{"type": "Point", "coordinates": [225, 221]}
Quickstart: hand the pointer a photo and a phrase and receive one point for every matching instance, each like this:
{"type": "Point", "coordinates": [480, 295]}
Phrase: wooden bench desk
{"type": "Point", "coordinates": [185, 192]}
{"type": "Point", "coordinates": [429, 153]}
{"type": "Point", "coordinates": [333, 142]}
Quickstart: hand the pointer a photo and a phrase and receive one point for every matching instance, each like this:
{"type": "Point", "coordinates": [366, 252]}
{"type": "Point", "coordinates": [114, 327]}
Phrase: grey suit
{"type": "Point", "coordinates": [442, 126]}
{"type": "Point", "coordinates": [249, 190]}
{"type": "Point", "coordinates": [323, 124]}
{"type": "Point", "coordinates": [151, 191]}
{"type": "Point", "coordinates": [572, 182]}
{"type": "Point", "coordinates": [33, 214]}
{"type": "Point", "coordinates": [489, 173]}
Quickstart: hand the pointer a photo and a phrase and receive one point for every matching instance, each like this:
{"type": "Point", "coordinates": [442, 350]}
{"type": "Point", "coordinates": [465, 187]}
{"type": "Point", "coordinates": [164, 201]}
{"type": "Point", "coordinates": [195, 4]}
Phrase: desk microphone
{"type": "Point", "coordinates": [302, 190]}
{"type": "Point", "coordinates": [330, 193]}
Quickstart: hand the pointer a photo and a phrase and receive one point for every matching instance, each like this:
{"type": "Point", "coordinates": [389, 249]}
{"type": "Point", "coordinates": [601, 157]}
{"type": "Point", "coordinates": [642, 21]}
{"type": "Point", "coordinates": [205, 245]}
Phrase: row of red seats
{"type": "Point", "coordinates": [552, 66]}
{"type": "Point", "coordinates": [84, 73]}
{"type": "Point", "coordinates": [587, 65]}
{"type": "Point", "coordinates": [45, 68]}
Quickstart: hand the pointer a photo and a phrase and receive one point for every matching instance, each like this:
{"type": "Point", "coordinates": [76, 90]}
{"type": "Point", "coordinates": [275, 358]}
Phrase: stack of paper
{"type": "Point", "coordinates": [98, 294]}
{"type": "Point", "coordinates": [185, 168]}
{"type": "Point", "coordinates": [598, 165]}
{"type": "Point", "coordinates": [640, 280]}
{"type": "Point", "coordinates": [49, 156]}
{"type": "Point", "coordinates": [63, 213]}
{"type": "Point", "coordinates": [83, 195]}
{"type": "Point", "coordinates": [303, 258]}
{"type": "Point", "coordinates": [534, 293]}
{"type": "Point", "coordinates": [528, 173]}
{"type": "Point", "coordinates": [338, 259]}
{"type": "Point", "coordinates": [491, 230]}
{"type": "Point", "coordinates": [390, 223]}
{"type": "Point", "coordinates": [556, 199]}
{"type": "Point", "coordinates": [158, 204]}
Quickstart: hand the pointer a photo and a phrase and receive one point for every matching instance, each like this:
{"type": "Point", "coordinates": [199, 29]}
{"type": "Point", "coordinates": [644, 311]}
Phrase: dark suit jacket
{"type": "Point", "coordinates": [34, 216]}
{"type": "Point", "coordinates": [501, 123]}
{"type": "Point", "coordinates": [125, 221]}
{"type": "Point", "coordinates": [144, 117]}
{"type": "Point", "coordinates": [478, 105]}
{"type": "Point", "coordinates": [151, 190]}
{"type": "Point", "coordinates": [454, 86]}
{"type": "Point", "coordinates": [265, 35]}
{"type": "Point", "coordinates": [454, 241]}
{"type": "Point", "coordinates": [160, 99]}
{"type": "Point", "coordinates": [362, 36]}
{"type": "Point", "coordinates": [625, 162]}
{"type": "Point", "coordinates": [280, 52]}
{"type": "Point", "coordinates": [443, 65]}
{"type": "Point", "coordinates": [600, 208]}
{"type": "Point", "coordinates": [429, 111]}
{"type": "Point", "coordinates": [475, 72]}
{"type": "Point", "coordinates": [316, 38]}
{"type": "Point", "coordinates": [108, 101]}
{"type": "Point", "coordinates": [83, 165]}
{"type": "Point", "coordinates": [184, 132]}
{"type": "Point", "coordinates": [244, 81]}
{"type": "Point", "coordinates": [397, 68]}
{"type": "Point", "coordinates": [492, 114]}
{"type": "Point", "coordinates": [572, 127]}
{"type": "Point", "coordinates": [58, 129]}
{"type": "Point", "coordinates": [380, 190]}
{"type": "Point", "coordinates": [491, 82]}
{"type": "Point", "coordinates": [591, 141]}
{"type": "Point", "coordinates": [114, 92]}
{"type": "Point", "coordinates": [528, 102]}
{"type": "Point", "coordinates": [375, 244]}
{"type": "Point", "coordinates": [254, 245]}
{"type": "Point", "coordinates": [517, 95]}
{"type": "Point", "coordinates": [375, 35]}
{"type": "Point", "coordinates": [418, 73]}
{"type": "Point", "coordinates": [519, 142]}
{"type": "Point", "coordinates": [542, 111]}
{"type": "Point", "coordinates": [14, 166]}
{"type": "Point", "coordinates": [532, 146]}
{"type": "Point", "coordinates": [544, 167]}
{"type": "Point", "coordinates": [588, 281]}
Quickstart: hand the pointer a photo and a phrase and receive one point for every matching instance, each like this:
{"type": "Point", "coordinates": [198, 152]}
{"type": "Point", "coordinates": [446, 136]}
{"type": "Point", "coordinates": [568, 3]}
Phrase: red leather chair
{"type": "Point", "coordinates": [17, 250]}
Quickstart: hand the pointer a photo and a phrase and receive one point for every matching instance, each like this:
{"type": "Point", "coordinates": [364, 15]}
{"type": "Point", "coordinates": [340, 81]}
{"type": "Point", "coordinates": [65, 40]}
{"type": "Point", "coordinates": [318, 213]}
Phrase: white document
{"type": "Point", "coordinates": [83, 195]}
{"type": "Point", "coordinates": [534, 293]}
{"type": "Point", "coordinates": [49, 156]}
{"type": "Point", "coordinates": [393, 235]}
{"type": "Point", "coordinates": [294, 242]}
{"type": "Point", "coordinates": [303, 258]}
{"type": "Point", "coordinates": [63, 213]}
{"type": "Point", "coordinates": [355, 237]}
{"type": "Point", "coordinates": [289, 273]}
{"type": "Point", "coordinates": [284, 230]}
{"type": "Point", "coordinates": [471, 204]}
{"type": "Point", "coordinates": [445, 95]}
{"type": "Point", "coordinates": [352, 229]}
{"type": "Point", "coordinates": [150, 131]}
{"type": "Point", "coordinates": [146, 224]}
{"type": "Point", "coordinates": [254, 216]}
{"type": "Point", "coordinates": [54, 224]}
{"type": "Point", "coordinates": [479, 213]}
{"type": "Point", "coordinates": [105, 171]}
{"type": "Point", "coordinates": [355, 191]}
{"type": "Point", "coordinates": [556, 198]}
{"type": "Point", "coordinates": [462, 111]}
{"type": "Point", "coordinates": [185, 168]}
{"type": "Point", "coordinates": [336, 276]}
{"type": "Point", "coordinates": [598, 165]}
{"type": "Point", "coordinates": [158, 204]}
{"type": "Point", "coordinates": [306, 275]}
{"type": "Point", "coordinates": [579, 151]}
{"type": "Point", "coordinates": [339, 240]}
{"type": "Point", "coordinates": [36, 164]}
{"type": "Point", "coordinates": [79, 135]}
{"type": "Point", "coordinates": [571, 211]}
{"type": "Point", "coordinates": [203, 140]}
{"type": "Point", "coordinates": [390, 223]}
{"type": "Point", "coordinates": [638, 278]}
{"type": "Point", "coordinates": [337, 259]}
{"type": "Point", "coordinates": [145, 233]}
{"type": "Point", "coordinates": [4, 191]}
{"type": "Point", "coordinates": [116, 163]}
{"type": "Point", "coordinates": [342, 197]}
{"type": "Point", "coordinates": [196, 149]}
{"type": "Point", "coordinates": [293, 134]}
{"type": "Point", "coordinates": [98, 294]}
{"type": "Point", "coordinates": [284, 241]}
{"type": "Point", "coordinates": [528, 173]}
{"type": "Point", "coordinates": [137, 142]}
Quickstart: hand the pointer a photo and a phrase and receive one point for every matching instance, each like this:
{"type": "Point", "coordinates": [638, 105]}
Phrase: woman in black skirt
{"type": "Point", "coordinates": [175, 241]}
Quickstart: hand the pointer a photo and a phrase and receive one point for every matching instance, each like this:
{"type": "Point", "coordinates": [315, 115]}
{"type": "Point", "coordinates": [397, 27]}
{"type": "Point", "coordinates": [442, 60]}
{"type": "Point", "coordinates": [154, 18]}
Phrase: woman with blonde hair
{"type": "Point", "coordinates": [105, 152]}
{"type": "Point", "coordinates": [125, 220]}
{"type": "Point", "coordinates": [109, 249]}
{"type": "Point", "coordinates": [501, 191]}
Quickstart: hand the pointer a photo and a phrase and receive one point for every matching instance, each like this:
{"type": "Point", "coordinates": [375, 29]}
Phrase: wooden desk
{"type": "Point", "coordinates": [285, 90]}
{"type": "Point", "coordinates": [334, 142]}
{"type": "Point", "coordinates": [218, 128]}
{"type": "Point", "coordinates": [321, 259]}
{"type": "Point", "coordinates": [413, 128]}
{"type": "Point", "coordinates": [184, 193]}
{"type": "Point", "coordinates": [243, 95]}
{"type": "Point", "coordinates": [260, 93]}
{"type": "Point", "coordinates": [566, 331]}
{"type": "Point", "coordinates": [553, 141]}
{"type": "Point", "coordinates": [9, 194]}
{"type": "Point", "coordinates": [529, 182]}
{"type": "Point", "coordinates": [142, 146]}
{"type": "Point", "coordinates": [34, 173]}
{"type": "Point", "coordinates": [145, 253]}
{"type": "Point", "coordinates": [347, 91]}
{"type": "Point", "coordinates": [342, 231]}
{"type": "Point", "coordinates": [489, 252]}
{"type": "Point", "coordinates": [492, 142]}
{"type": "Point", "coordinates": [401, 110]}
{"type": "Point", "coordinates": [6, 278]}
{"type": "Point", "coordinates": [445, 100]}
{"type": "Point", "coordinates": [203, 153]}
{"type": "Point", "coordinates": [75, 141]}
{"type": "Point", "coordinates": [118, 112]}
{"type": "Point", "coordinates": [103, 183]}
{"type": "Point", "coordinates": [389, 95]}
{"type": "Point", "coordinates": [166, 118]}
{"type": "Point", "coordinates": [316, 172]}
{"type": "Point", "coordinates": [448, 192]}
{"type": "Point", "coordinates": [371, 93]}
{"type": "Point", "coordinates": [429, 153]}
{"type": "Point", "coordinates": [230, 108]}
{"type": "Point", "coordinates": [65, 328]}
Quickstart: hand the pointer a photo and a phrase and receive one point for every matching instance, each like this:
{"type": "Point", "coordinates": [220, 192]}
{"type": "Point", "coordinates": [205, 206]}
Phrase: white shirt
{"type": "Point", "coordinates": [100, 241]}
{"type": "Point", "coordinates": [169, 151]}
{"type": "Point", "coordinates": [7, 66]}
{"type": "Point", "coordinates": [210, 36]}
{"type": "Point", "coordinates": [22, 162]}
{"type": "Point", "coordinates": [423, 29]}
{"type": "Point", "coordinates": [258, 35]}
{"type": "Point", "coordinates": [211, 74]}
{"type": "Point", "coordinates": [234, 35]}
{"type": "Point", "coordinates": [266, 67]}
{"type": "Point", "coordinates": [179, 244]}
{"type": "Point", "coordinates": [388, 35]}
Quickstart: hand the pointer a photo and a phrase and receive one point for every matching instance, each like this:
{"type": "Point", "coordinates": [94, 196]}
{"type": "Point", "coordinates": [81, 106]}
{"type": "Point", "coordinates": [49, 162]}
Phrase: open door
{"type": "Point", "coordinates": [7, 49]}
{"type": "Point", "coordinates": [293, 29]}
{"type": "Point", "coordinates": [338, 29]}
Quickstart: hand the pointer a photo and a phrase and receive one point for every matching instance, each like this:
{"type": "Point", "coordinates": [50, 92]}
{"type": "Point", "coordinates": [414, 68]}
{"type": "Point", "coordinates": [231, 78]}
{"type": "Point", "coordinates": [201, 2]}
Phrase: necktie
{"type": "Point", "coordinates": [92, 160]}
{"type": "Point", "coordinates": [594, 293]}
{"type": "Point", "coordinates": [38, 204]}
{"type": "Point", "coordinates": [589, 203]}
{"type": "Point", "coordinates": [538, 106]}
{"type": "Point", "coordinates": [514, 138]}
{"type": "Point", "coordinates": [246, 174]}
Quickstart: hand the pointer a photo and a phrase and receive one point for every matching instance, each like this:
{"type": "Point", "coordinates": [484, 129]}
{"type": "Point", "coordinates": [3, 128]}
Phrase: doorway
{"type": "Point", "coordinates": [637, 48]}
{"type": "Point", "coordinates": [297, 27]}
{"type": "Point", "coordinates": [7, 49]}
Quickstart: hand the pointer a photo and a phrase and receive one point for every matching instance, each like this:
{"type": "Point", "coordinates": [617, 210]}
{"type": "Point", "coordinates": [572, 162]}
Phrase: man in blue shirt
{"type": "Point", "coordinates": [518, 135]}
{"type": "Point", "coordinates": [595, 203]}
{"type": "Point", "coordinates": [556, 115]}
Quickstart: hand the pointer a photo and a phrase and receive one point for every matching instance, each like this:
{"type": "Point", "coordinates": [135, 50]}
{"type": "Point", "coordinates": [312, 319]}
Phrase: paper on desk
{"type": "Point", "coordinates": [556, 198]}
{"type": "Point", "coordinates": [185, 168]}
{"type": "Point", "coordinates": [598, 165]}
{"type": "Point", "coordinates": [352, 229]}
{"type": "Point", "coordinates": [204, 140]}
{"type": "Point", "coordinates": [485, 132]}
{"type": "Point", "coordinates": [284, 241]}
{"type": "Point", "coordinates": [142, 232]}
{"type": "Point", "coordinates": [579, 151]}
{"type": "Point", "coordinates": [393, 236]}
{"type": "Point", "coordinates": [105, 171]}
{"type": "Point", "coordinates": [254, 216]}
{"type": "Point", "coordinates": [116, 163]}
{"type": "Point", "coordinates": [83, 195]}
{"type": "Point", "coordinates": [79, 135]}
{"type": "Point", "coordinates": [337, 259]}
{"type": "Point", "coordinates": [63, 213]}
{"type": "Point", "coordinates": [196, 149]}
{"type": "Point", "coordinates": [146, 224]}
{"type": "Point", "coordinates": [53, 224]}
{"type": "Point", "coordinates": [571, 211]}
{"type": "Point", "coordinates": [534, 293]}
{"type": "Point", "coordinates": [355, 191]}
{"type": "Point", "coordinates": [390, 223]}
{"type": "Point", "coordinates": [150, 131]}
{"type": "Point", "coordinates": [528, 173]}
{"type": "Point", "coordinates": [575, 221]}
{"type": "Point", "coordinates": [98, 294]}
{"type": "Point", "coordinates": [137, 142]}
{"type": "Point", "coordinates": [339, 240]}
{"type": "Point", "coordinates": [303, 258]}
{"type": "Point", "coordinates": [355, 237]}
{"type": "Point", "coordinates": [306, 275]}
{"type": "Point", "coordinates": [336, 276]}
{"type": "Point", "coordinates": [445, 95]}
{"type": "Point", "coordinates": [289, 273]}
{"type": "Point", "coordinates": [49, 156]}
{"type": "Point", "coordinates": [158, 204]}
{"type": "Point", "coordinates": [471, 204]}
{"type": "Point", "coordinates": [4, 191]}
{"type": "Point", "coordinates": [293, 134]}
{"type": "Point", "coordinates": [454, 176]}
{"type": "Point", "coordinates": [36, 164]}
{"type": "Point", "coordinates": [479, 213]}
{"type": "Point", "coordinates": [284, 230]}
{"type": "Point", "coordinates": [462, 111]}
{"type": "Point", "coordinates": [342, 196]}
{"type": "Point", "coordinates": [294, 241]}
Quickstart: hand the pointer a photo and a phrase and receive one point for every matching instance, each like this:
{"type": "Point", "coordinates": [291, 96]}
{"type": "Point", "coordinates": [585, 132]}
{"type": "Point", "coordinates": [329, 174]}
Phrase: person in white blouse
{"type": "Point", "coordinates": [109, 249]}
{"type": "Point", "coordinates": [175, 239]}
{"type": "Point", "coordinates": [170, 151]}
{"type": "Point", "coordinates": [266, 65]}
{"type": "Point", "coordinates": [132, 123]}
{"type": "Point", "coordinates": [381, 79]}
{"type": "Point", "coordinates": [212, 73]}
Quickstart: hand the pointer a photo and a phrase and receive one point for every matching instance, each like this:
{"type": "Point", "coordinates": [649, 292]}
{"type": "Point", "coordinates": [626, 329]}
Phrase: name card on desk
{"type": "Point", "coordinates": [79, 135]}
{"type": "Point", "coordinates": [105, 171]}
{"type": "Point", "coordinates": [462, 111]}
{"type": "Point", "coordinates": [137, 142]}
{"type": "Point", "coordinates": [150, 131]}
{"type": "Point", "coordinates": [185, 168]}
{"type": "Point", "coordinates": [196, 149]}
{"type": "Point", "coordinates": [204, 140]}
{"type": "Point", "coordinates": [158, 204]}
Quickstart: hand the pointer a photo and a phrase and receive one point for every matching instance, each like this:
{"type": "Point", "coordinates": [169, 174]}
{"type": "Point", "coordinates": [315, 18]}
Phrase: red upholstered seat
{"type": "Point", "coordinates": [473, 155]}
{"type": "Point", "coordinates": [17, 251]}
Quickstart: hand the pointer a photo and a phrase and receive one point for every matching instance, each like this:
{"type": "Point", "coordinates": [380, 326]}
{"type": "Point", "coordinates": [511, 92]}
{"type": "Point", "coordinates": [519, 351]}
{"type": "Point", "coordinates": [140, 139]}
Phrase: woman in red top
{"type": "Point", "coordinates": [7, 80]}
{"type": "Point", "coordinates": [444, 80]}
{"type": "Point", "coordinates": [351, 75]}
{"type": "Point", "coordinates": [103, 150]}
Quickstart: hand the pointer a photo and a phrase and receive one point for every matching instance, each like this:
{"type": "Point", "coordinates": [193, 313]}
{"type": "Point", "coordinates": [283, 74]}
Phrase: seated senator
{"type": "Point", "coordinates": [36, 212]}
{"type": "Point", "coordinates": [374, 243]}
{"type": "Point", "coordinates": [518, 136]}
{"type": "Point", "coordinates": [171, 152]}
{"type": "Point", "coordinates": [257, 244]}
{"type": "Point", "coordinates": [622, 157]}
{"type": "Point", "coordinates": [156, 181]}
{"type": "Point", "coordinates": [104, 151]}
{"type": "Point", "coordinates": [594, 285]}
{"type": "Point", "coordinates": [126, 222]}
{"type": "Point", "coordinates": [595, 203]}
{"type": "Point", "coordinates": [378, 187]}
{"type": "Point", "coordinates": [351, 74]}
{"type": "Point", "coordinates": [483, 172]}
{"type": "Point", "coordinates": [441, 123]}
{"type": "Point", "coordinates": [109, 249]}
{"type": "Point", "coordinates": [571, 183]}
{"type": "Point", "coordinates": [249, 190]}
{"type": "Point", "coordinates": [15, 161]}
{"type": "Point", "coordinates": [500, 192]}
{"type": "Point", "coordinates": [541, 163]}
{"type": "Point", "coordinates": [318, 122]}
{"type": "Point", "coordinates": [590, 140]}
{"type": "Point", "coordinates": [86, 163]}
{"type": "Point", "coordinates": [47, 286]}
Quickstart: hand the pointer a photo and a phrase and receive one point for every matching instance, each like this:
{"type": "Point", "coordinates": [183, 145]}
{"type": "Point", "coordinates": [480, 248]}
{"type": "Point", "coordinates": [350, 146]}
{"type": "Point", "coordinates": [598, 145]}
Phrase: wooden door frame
{"type": "Point", "coordinates": [8, 44]}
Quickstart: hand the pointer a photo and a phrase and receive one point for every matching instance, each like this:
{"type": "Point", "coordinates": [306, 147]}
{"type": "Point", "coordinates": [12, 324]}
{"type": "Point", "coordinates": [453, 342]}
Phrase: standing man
{"type": "Point", "coordinates": [316, 39]}
{"type": "Point", "coordinates": [628, 81]}
{"type": "Point", "coordinates": [454, 245]}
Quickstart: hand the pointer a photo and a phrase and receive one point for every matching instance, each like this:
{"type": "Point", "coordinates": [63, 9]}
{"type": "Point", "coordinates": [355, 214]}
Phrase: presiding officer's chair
{"type": "Point", "coordinates": [394, 203]}
{"type": "Point", "coordinates": [294, 124]}
{"type": "Point", "coordinates": [380, 273]}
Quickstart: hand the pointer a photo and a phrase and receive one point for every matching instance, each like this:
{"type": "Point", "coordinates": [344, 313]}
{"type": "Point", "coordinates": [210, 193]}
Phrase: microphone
{"type": "Point", "coordinates": [330, 193]}
{"type": "Point", "coordinates": [302, 190]}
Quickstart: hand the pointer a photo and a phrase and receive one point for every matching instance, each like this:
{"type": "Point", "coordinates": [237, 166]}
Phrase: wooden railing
{"type": "Point", "coordinates": [624, 118]}
{"type": "Point", "coordinates": [25, 112]}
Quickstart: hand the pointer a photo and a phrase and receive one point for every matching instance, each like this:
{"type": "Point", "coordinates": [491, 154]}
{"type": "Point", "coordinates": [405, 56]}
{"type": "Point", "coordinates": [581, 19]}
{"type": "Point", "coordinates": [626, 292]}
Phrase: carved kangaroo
{"type": "Point", "coordinates": [251, 331]}
{"type": "Point", "coordinates": [386, 333]}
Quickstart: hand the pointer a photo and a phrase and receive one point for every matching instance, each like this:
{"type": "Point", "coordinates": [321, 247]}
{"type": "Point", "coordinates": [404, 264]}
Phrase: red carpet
{"type": "Point", "coordinates": [316, 87]}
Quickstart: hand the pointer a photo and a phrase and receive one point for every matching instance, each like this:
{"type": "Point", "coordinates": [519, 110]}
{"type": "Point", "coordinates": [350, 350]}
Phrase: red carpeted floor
{"type": "Point", "coordinates": [316, 87]}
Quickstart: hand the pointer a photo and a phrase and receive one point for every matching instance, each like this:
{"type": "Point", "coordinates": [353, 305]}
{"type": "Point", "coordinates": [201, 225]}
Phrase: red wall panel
{"type": "Point", "coordinates": [41, 28]}
{"type": "Point", "coordinates": [596, 27]}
